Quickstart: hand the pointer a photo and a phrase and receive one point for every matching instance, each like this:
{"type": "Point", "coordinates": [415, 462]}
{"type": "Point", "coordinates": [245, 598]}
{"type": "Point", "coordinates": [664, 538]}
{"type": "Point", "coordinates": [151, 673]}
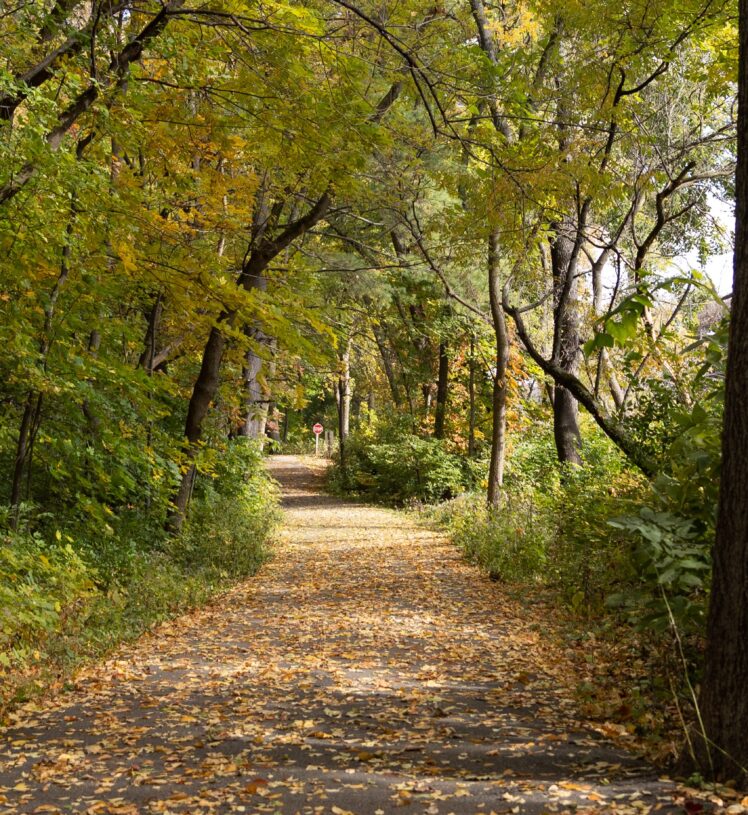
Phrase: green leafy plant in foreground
{"type": "Point", "coordinates": [64, 600]}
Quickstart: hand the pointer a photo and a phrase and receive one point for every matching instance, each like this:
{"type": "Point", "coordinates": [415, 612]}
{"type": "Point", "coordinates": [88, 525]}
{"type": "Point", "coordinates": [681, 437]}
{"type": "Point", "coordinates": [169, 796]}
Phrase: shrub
{"type": "Point", "coordinates": [44, 588]}
{"type": "Point", "coordinates": [553, 523]}
{"type": "Point", "coordinates": [674, 525]}
{"type": "Point", "coordinates": [64, 599]}
{"type": "Point", "coordinates": [391, 465]}
{"type": "Point", "coordinates": [590, 558]}
{"type": "Point", "coordinates": [231, 516]}
{"type": "Point", "coordinates": [508, 543]}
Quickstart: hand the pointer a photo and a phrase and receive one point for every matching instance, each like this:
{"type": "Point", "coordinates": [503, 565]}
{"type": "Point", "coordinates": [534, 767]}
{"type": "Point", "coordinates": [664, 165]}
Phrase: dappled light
{"type": "Point", "coordinates": [367, 668]}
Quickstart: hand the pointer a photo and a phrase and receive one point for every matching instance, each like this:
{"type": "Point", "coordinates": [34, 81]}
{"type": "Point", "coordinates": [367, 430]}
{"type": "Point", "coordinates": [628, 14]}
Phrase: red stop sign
{"type": "Point", "coordinates": [317, 428]}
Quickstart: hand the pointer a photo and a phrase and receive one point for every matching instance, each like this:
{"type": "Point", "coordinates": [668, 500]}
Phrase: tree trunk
{"type": "Point", "coordinates": [565, 343]}
{"type": "Point", "coordinates": [20, 459]}
{"type": "Point", "coordinates": [471, 396]}
{"type": "Point", "coordinates": [148, 355]}
{"type": "Point", "coordinates": [344, 402]}
{"type": "Point", "coordinates": [256, 395]}
{"type": "Point", "coordinates": [498, 429]}
{"type": "Point", "coordinates": [442, 391]}
{"type": "Point", "coordinates": [203, 393]}
{"type": "Point", "coordinates": [724, 700]}
{"type": "Point", "coordinates": [389, 372]}
{"type": "Point", "coordinates": [256, 399]}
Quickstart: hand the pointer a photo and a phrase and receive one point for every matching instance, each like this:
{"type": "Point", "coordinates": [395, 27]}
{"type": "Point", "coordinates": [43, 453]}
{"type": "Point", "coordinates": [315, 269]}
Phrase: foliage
{"type": "Point", "coordinates": [241, 216]}
{"type": "Point", "coordinates": [675, 527]}
{"type": "Point", "coordinates": [398, 467]}
{"type": "Point", "coordinates": [509, 543]}
{"type": "Point", "coordinates": [231, 518]}
{"type": "Point", "coordinates": [65, 600]}
{"type": "Point", "coordinates": [590, 558]}
{"type": "Point", "coordinates": [45, 587]}
{"type": "Point", "coordinates": [672, 570]}
{"type": "Point", "coordinates": [553, 523]}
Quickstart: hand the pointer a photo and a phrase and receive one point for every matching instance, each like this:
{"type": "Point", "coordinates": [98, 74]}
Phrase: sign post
{"type": "Point", "coordinates": [317, 429]}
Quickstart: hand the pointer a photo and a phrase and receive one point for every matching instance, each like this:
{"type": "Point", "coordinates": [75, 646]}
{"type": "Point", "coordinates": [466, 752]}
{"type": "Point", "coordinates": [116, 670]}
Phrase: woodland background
{"type": "Point", "coordinates": [471, 237]}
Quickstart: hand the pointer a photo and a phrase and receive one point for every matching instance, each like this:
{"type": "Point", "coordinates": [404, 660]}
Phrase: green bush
{"type": "Point", "coordinates": [45, 587]}
{"type": "Point", "coordinates": [158, 588]}
{"type": "Point", "coordinates": [231, 517]}
{"type": "Point", "coordinates": [508, 543]}
{"type": "Point", "coordinates": [553, 524]}
{"type": "Point", "coordinates": [589, 557]}
{"type": "Point", "coordinates": [674, 524]}
{"type": "Point", "coordinates": [64, 599]}
{"type": "Point", "coordinates": [397, 467]}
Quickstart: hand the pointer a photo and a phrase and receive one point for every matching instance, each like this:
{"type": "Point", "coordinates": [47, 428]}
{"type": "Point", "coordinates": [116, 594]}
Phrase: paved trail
{"type": "Point", "coordinates": [366, 669]}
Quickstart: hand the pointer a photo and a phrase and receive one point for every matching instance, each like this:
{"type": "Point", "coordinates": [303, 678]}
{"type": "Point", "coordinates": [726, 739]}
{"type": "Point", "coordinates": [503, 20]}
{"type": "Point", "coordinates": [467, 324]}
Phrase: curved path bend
{"type": "Point", "coordinates": [367, 669]}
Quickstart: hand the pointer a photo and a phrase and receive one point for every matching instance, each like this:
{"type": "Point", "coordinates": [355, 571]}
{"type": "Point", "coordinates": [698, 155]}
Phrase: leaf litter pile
{"type": "Point", "coordinates": [366, 670]}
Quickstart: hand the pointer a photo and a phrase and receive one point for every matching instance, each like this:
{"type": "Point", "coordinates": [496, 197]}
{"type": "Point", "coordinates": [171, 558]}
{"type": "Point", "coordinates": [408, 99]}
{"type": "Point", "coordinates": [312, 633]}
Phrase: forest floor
{"type": "Point", "coordinates": [365, 669]}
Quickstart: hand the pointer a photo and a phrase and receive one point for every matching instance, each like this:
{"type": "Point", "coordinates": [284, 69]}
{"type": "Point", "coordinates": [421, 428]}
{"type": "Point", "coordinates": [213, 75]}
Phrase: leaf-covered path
{"type": "Point", "coordinates": [366, 669]}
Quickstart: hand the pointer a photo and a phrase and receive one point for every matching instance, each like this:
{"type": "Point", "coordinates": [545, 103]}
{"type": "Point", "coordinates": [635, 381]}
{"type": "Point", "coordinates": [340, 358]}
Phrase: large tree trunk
{"type": "Point", "coordinates": [498, 430]}
{"type": "Point", "coordinates": [565, 342]}
{"type": "Point", "coordinates": [442, 391]}
{"type": "Point", "coordinates": [203, 393]}
{"type": "Point", "coordinates": [724, 698]}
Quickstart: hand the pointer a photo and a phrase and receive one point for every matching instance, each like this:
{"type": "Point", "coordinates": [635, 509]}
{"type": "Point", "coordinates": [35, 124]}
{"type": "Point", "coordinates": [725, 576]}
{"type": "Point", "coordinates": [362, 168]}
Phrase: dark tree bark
{"type": "Point", "coordinates": [565, 342]}
{"type": "Point", "coordinates": [389, 371]}
{"type": "Point", "coordinates": [206, 384]}
{"type": "Point", "coordinates": [498, 401]}
{"type": "Point", "coordinates": [471, 397]}
{"type": "Point", "coordinates": [442, 391]}
{"type": "Point", "coordinates": [203, 393]}
{"type": "Point", "coordinates": [20, 459]}
{"type": "Point", "coordinates": [724, 695]}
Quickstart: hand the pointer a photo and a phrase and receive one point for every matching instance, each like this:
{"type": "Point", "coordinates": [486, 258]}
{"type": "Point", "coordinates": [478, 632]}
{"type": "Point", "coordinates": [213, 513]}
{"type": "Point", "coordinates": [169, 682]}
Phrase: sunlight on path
{"type": "Point", "coordinates": [366, 669]}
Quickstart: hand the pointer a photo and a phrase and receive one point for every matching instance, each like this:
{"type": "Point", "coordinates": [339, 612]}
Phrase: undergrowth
{"type": "Point", "coordinates": [66, 598]}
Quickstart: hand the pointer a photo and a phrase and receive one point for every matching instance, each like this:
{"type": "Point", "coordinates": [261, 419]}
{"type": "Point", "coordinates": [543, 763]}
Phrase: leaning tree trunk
{"type": "Point", "coordinates": [203, 393]}
{"type": "Point", "coordinates": [498, 402]}
{"type": "Point", "coordinates": [565, 343]}
{"type": "Point", "coordinates": [724, 700]}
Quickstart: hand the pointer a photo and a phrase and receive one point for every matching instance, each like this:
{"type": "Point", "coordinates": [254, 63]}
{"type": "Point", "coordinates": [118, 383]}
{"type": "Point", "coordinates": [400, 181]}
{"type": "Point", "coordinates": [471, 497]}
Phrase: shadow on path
{"type": "Point", "coordinates": [367, 669]}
